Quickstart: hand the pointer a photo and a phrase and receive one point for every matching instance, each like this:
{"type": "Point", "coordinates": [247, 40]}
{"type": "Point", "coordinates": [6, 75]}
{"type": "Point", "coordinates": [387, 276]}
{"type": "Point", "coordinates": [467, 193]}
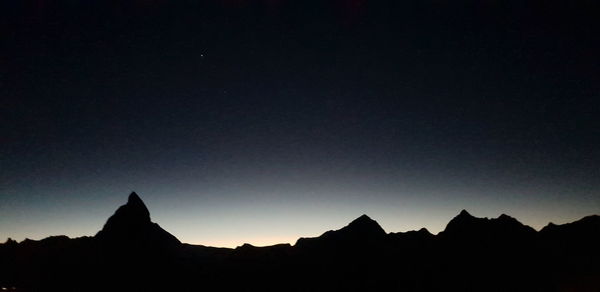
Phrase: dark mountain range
{"type": "Point", "coordinates": [131, 253]}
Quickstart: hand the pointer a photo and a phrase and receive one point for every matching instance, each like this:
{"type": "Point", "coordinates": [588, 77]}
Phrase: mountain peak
{"type": "Point", "coordinates": [462, 218]}
{"type": "Point", "coordinates": [136, 206]}
{"type": "Point", "coordinates": [464, 214]}
{"type": "Point", "coordinates": [364, 225]}
{"type": "Point", "coordinates": [134, 211]}
{"type": "Point", "coordinates": [129, 216]}
{"type": "Point", "coordinates": [362, 230]}
{"type": "Point", "coordinates": [132, 222]}
{"type": "Point", "coordinates": [507, 219]}
{"type": "Point", "coordinates": [467, 224]}
{"type": "Point", "coordinates": [424, 231]}
{"type": "Point", "coordinates": [363, 219]}
{"type": "Point", "coordinates": [134, 198]}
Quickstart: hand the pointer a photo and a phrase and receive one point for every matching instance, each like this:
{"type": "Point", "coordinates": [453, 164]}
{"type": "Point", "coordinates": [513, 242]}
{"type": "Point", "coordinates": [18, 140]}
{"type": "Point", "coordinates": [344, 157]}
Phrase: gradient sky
{"type": "Point", "coordinates": [265, 121]}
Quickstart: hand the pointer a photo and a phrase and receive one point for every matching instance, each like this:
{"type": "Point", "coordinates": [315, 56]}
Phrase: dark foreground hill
{"type": "Point", "coordinates": [131, 253]}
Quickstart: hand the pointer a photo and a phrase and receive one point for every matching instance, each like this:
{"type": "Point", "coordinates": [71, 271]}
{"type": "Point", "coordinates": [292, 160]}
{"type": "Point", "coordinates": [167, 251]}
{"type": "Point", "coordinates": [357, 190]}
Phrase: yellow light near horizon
{"type": "Point", "coordinates": [259, 241]}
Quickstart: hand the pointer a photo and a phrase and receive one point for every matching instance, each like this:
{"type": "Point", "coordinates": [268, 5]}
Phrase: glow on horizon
{"type": "Point", "coordinates": [259, 217]}
{"type": "Point", "coordinates": [227, 239]}
{"type": "Point", "coordinates": [257, 241]}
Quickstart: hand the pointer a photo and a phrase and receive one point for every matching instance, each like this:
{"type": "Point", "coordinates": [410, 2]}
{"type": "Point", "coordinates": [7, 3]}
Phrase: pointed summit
{"type": "Point", "coordinates": [460, 222]}
{"type": "Point", "coordinates": [364, 225]}
{"type": "Point", "coordinates": [505, 219]}
{"type": "Point", "coordinates": [130, 215]}
{"type": "Point", "coordinates": [136, 205]}
{"type": "Point", "coordinates": [362, 220]}
{"type": "Point", "coordinates": [134, 199]}
{"type": "Point", "coordinates": [131, 223]}
{"type": "Point", "coordinates": [464, 214]}
{"type": "Point", "coordinates": [363, 217]}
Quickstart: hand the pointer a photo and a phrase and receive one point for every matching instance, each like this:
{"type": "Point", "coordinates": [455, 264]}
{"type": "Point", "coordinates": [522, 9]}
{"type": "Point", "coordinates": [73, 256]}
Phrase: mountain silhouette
{"type": "Point", "coordinates": [588, 224]}
{"type": "Point", "coordinates": [132, 253]}
{"type": "Point", "coordinates": [131, 225]}
{"type": "Point", "coordinates": [362, 230]}
{"type": "Point", "coordinates": [362, 226]}
{"type": "Point", "coordinates": [413, 237]}
{"type": "Point", "coordinates": [465, 225]}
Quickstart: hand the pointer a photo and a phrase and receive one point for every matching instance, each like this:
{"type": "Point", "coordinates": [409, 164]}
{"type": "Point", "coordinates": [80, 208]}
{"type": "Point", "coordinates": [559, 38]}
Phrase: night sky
{"type": "Point", "coordinates": [264, 121]}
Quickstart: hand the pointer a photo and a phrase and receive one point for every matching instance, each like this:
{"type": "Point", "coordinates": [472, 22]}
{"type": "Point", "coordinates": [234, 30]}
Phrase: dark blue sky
{"type": "Point", "coordinates": [263, 121]}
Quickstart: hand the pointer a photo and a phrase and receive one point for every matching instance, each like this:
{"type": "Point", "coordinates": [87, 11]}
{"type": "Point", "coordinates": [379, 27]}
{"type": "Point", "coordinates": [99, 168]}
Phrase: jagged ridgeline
{"type": "Point", "coordinates": [131, 253]}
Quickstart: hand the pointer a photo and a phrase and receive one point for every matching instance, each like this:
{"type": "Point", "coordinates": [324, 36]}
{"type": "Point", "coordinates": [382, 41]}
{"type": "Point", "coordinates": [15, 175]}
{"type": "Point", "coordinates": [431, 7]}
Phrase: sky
{"type": "Point", "coordinates": [240, 121]}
